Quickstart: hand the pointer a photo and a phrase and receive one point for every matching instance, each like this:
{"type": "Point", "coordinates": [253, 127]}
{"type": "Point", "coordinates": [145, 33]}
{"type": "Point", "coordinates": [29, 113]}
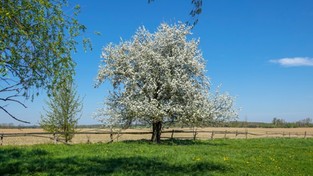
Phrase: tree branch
{"type": "Point", "coordinates": [16, 101]}
{"type": "Point", "coordinates": [13, 115]}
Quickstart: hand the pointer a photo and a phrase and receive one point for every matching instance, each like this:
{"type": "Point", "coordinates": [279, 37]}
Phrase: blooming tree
{"type": "Point", "coordinates": [158, 78]}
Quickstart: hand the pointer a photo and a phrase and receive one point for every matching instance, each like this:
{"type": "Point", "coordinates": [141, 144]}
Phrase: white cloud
{"type": "Point", "coordinates": [294, 62]}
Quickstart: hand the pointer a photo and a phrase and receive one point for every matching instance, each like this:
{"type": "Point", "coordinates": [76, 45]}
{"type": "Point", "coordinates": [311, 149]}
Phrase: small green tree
{"type": "Point", "coordinates": [61, 118]}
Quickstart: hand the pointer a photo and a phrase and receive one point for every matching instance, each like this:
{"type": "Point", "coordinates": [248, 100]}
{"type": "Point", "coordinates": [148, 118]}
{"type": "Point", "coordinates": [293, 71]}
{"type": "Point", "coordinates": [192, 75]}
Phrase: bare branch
{"type": "Point", "coordinates": [13, 115]}
{"type": "Point", "coordinates": [10, 88]}
{"type": "Point", "coordinates": [13, 100]}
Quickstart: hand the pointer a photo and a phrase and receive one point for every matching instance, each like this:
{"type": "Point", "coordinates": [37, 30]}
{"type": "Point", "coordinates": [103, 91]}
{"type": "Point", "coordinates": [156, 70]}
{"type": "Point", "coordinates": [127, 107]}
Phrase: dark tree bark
{"type": "Point", "coordinates": [156, 132]}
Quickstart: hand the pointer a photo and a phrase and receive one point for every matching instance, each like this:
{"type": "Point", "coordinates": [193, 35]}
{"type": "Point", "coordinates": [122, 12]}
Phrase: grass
{"type": "Point", "coordinates": [177, 157]}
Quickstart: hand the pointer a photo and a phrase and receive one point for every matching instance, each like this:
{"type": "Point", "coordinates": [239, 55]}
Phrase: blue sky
{"type": "Point", "coordinates": [259, 51]}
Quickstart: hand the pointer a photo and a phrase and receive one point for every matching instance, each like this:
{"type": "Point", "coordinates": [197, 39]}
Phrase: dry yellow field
{"type": "Point", "coordinates": [203, 133]}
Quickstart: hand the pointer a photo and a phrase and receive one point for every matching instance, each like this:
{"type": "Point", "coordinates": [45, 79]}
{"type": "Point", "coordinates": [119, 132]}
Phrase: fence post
{"type": "Point", "coordinates": [118, 135]}
{"type": "Point", "coordinates": [88, 139]}
{"type": "Point", "coordinates": [304, 134]}
{"type": "Point", "coordinates": [1, 139]}
{"type": "Point", "coordinates": [236, 133]}
{"type": "Point", "coordinates": [225, 134]}
{"type": "Point", "coordinates": [172, 135]}
{"type": "Point", "coordinates": [247, 134]}
{"type": "Point", "coordinates": [212, 135]}
{"type": "Point", "coordinates": [195, 135]}
{"type": "Point", "coordinates": [54, 138]}
{"type": "Point", "coordinates": [111, 136]}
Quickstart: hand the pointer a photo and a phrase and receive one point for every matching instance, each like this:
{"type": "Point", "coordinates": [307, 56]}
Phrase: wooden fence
{"type": "Point", "coordinates": [110, 136]}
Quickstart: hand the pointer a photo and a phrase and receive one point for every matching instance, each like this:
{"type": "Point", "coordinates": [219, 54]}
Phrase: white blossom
{"type": "Point", "coordinates": [160, 77]}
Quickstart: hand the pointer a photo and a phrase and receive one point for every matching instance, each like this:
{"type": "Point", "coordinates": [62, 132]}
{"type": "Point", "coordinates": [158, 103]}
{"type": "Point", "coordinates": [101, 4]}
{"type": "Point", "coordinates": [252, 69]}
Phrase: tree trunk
{"type": "Point", "coordinates": [156, 132]}
{"type": "Point", "coordinates": [153, 137]}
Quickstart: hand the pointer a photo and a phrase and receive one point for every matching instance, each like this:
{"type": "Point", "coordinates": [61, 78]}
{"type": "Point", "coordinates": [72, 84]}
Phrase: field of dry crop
{"type": "Point", "coordinates": [25, 138]}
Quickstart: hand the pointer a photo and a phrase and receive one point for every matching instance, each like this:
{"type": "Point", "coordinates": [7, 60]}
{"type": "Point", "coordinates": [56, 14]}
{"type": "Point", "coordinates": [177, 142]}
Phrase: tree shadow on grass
{"type": "Point", "coordinates": [16, 153]}
{"type": "Point", "coordinates": [175, 141]}
{"type": "Point", "coordinates": [29, 162]}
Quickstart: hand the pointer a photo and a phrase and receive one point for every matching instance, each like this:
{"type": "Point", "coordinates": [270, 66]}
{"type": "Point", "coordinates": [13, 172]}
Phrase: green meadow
{"type": "Point", "coordinates": [172, 157]}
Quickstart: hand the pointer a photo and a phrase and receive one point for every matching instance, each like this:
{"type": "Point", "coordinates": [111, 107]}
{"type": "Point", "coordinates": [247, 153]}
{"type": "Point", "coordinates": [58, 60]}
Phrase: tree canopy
{"type": "Point", "coordinates": [160, 78]}
{"type": "Point", "coordinates": [37, 38]}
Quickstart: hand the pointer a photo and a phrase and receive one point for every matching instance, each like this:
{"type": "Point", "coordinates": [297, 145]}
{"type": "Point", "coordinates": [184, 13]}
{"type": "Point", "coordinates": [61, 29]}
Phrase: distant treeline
{"type": "Point", "coordinates": [276, 123]}
{"type": "Point", "coordinates": [13, 126]}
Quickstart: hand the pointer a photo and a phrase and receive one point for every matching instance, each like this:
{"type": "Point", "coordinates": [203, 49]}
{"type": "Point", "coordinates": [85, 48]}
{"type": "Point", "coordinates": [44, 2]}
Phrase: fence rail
{"type": "Point", "coordinates": [166, 134]}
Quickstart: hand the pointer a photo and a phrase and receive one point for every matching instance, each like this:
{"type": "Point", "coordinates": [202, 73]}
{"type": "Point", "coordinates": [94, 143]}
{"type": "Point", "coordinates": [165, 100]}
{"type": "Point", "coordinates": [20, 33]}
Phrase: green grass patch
{"type": "Point", "coordinates": [177, 157]}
